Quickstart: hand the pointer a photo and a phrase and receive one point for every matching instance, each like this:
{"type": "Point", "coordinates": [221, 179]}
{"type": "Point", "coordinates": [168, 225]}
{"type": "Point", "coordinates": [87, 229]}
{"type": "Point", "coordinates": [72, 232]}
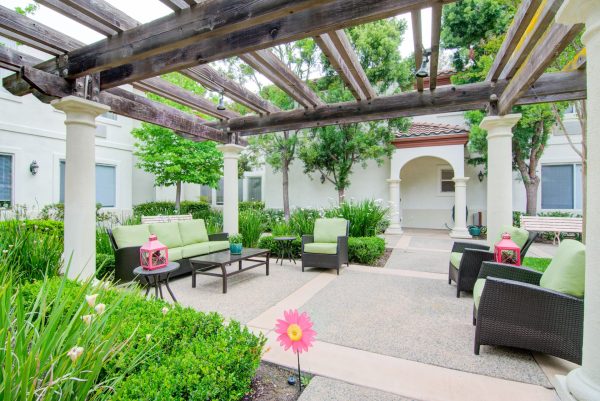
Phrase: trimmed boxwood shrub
{"type": "Point", "coordinates": [199, 210]}
{"type": "Point", "coordinates": [194, 356]}
{"type": "Point", "coordinates": [251, 205]}
{"type": "Point", "coordinates": [268, 242]}
{"type": "Point", "coordinates": [40, 226]}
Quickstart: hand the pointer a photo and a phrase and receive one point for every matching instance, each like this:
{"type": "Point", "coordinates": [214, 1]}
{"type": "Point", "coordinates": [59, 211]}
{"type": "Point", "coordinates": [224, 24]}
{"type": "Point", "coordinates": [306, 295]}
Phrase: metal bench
{"type": "Point", "coordinates": [165, 219]}
{"type": "Point", "coordinates": [555, 225]}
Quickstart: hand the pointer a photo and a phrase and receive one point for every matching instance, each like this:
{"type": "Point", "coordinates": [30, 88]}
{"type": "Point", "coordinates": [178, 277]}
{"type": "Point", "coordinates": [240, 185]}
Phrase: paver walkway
{"type": "Point", "coordinates": [392, 333]}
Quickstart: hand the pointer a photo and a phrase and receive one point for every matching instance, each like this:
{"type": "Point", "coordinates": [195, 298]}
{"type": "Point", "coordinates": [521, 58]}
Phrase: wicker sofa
{"type": "Point", "coordinates": [466, 258]}
{"type": "Point", "coordinates": [185, 239]}
{"type": "Point", "coordinates": [522, 308]}
{"type": "Point", "coordinates": [328, 246]}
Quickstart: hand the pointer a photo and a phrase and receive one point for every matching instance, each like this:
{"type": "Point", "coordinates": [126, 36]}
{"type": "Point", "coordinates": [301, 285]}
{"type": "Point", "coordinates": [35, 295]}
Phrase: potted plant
{"type": "Point", "coordinates": [235, 244]}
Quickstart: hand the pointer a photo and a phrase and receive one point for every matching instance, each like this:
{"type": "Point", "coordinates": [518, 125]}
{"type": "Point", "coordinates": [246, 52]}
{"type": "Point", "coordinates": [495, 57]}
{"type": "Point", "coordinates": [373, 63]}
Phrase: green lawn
{"type": "Point", "coordinates": [539, 264]}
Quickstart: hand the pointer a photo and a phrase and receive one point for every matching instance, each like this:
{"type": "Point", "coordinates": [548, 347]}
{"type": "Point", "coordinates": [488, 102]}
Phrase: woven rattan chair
{"type": "Point", "coordinates": [512, 309]}
{"type": "Point", "coordinates": [466, 259]}
{"type": "Point", "coordinates": [328, 247]}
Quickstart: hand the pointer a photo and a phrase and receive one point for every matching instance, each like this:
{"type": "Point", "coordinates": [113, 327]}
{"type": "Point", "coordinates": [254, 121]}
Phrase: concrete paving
{"type": "Point", "coordinates": [325, 389]}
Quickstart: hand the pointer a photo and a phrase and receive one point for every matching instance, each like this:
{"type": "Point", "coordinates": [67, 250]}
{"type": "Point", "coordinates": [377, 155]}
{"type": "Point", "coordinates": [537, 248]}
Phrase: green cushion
{"type": "Point", "coordinates": [175, 254]}
{"type": "Point", "coordinates": [201, 248]}
{"type": "Point", "coordinates": [218, 245]}
{"type": "Point", "coordinates": [455, 258]}
{"type": "Point", "coordinates": [167, 233]}
{"type": "Point", "coordinates": [126, 236]}
{"type": "Point", "coordinates": [193, 232]}
{"type": "Point", "coordinates": [518, 235]}
{"type": "Point", "coordinates": [327, 230]}
{"type": "Point", "coordinates": [566, 272]}
{"type": "Point", "coordinates": [320, 247]}
{"type": "Point", "coordinates": [478, 290]}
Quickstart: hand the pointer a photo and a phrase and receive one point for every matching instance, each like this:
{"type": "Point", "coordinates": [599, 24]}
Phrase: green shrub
{"type": "Point", "coordinates": [53, 211]}
{"type": "Point", "coordinates": [367, 218]}
{"type": "Point", "coordinates": [268, 242]}
{"type": "Point", "coordinates": [251, 205]}
{"type": "Point", "coordinates": [198, 210]}
{"type": "Point", "coordinates": [281, 229]}
{"type": "Point", "coordinates": [48, 226]}
{"type": "Point", "coordinates": [272, 217]}
{"type": "Point", "coordinates": [302, 221]}
{"type": "Point", "coordinates": [214, 222]}
{"type": "Point", "coordinates": [517, 218]}
{"type": "Point", "coordinates": [251, 225]}
{"type": "Point", "coordinates": [365, 250]}
{"type": "Point", "coordinates": [105, 265]}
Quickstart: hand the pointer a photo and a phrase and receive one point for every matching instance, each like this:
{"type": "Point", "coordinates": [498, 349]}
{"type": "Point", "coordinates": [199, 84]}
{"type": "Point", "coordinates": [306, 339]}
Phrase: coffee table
{"type": "Point", "coordinates": [203, 264]}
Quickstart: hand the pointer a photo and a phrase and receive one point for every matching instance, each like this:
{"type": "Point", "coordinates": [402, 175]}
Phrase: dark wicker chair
{"type": "Point", "coordinates": [327, 261]}
{"type": "Point", "coordinates": [514, 311]}
{"type": "Point", "coordinates": [473, 256]}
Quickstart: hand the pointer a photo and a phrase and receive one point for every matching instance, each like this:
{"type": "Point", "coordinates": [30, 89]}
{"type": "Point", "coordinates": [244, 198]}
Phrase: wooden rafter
{"type": "Point", "coordinates": [104, 13]}
{"type": "Point", "coordinates": [265, 62]}
{"type": "Point", "coordinates": [418, 42]}
{"type": "Point", "coordinates": [337, 48]}
{"type": "Point", "coordinates": [436, 27]}
{"type": "Point", "coordinates": [554, 41]}
{"type": "Point", "coordinates": [578, 62]}
{"type": "Point", "coordinates": [443, 99]}
{"type": "Point", "coordinates": [60, 7]}
{"type": "Point", "coordinates": [521, 21]}
{"type": "Point", "coordinates": [175, 5]}
{"type": "Point", "coordinates": [13, 60]}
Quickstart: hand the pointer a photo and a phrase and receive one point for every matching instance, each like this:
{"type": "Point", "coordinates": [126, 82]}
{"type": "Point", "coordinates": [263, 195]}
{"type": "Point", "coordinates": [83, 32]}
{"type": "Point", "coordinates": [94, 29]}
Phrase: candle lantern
{"type": "Point", "coordinates": [153, 254]}
{"type": "Point", "coordinates": [506, 251]}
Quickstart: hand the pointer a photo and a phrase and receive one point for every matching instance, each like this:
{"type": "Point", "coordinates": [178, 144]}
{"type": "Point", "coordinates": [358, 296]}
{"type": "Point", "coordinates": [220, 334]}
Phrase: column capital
{"type": "Point", "coordinates": [393, 180]}
{"type": "Point", "coordinates": [581, 11]}
{"type": "Point", "coordinates": [230, 148]}
{"type": "Point", "coordinates": [493, 122]}
{"type": "Point", "coordinates": [79, 105]}
{"type": "Point", "coordinates": [460, 181]}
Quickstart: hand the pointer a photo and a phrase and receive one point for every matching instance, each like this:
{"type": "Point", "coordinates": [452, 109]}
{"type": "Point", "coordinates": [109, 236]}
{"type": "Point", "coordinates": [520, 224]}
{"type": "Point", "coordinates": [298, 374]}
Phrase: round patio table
{"type": "Point", "coordinates": [155, 278]}
{"type": "Point", "coordinates": [285, 248]}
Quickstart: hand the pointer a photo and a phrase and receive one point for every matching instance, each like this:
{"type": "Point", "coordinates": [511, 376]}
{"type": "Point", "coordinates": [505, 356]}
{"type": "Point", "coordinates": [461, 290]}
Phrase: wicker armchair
{"type": "Point", "coordinates": [511, 309]}
{"type": "Point", "coordinates": [464, 268]}
{"type": "Point", "coordinates": [336, 240]}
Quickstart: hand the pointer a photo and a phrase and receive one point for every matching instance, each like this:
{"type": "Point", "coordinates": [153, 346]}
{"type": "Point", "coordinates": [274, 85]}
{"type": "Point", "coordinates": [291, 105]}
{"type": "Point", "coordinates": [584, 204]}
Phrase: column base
{"type": "Point", "coordinates": [577, 387]}
{"type": "Point", "coordinates": [461, 233]}
{"type": "Point", "coordinates": [394, 230]}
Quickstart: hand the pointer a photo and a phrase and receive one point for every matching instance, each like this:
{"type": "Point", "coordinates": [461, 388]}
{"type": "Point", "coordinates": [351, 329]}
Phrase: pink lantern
{"type": "Point", "coordinates": [506, 251]}
{"type": "Point", "coordinates": [153, 254]}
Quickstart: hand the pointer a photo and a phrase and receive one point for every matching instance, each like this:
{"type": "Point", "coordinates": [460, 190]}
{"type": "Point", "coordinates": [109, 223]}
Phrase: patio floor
{"type": "Point", "coordinates": [398, 330]}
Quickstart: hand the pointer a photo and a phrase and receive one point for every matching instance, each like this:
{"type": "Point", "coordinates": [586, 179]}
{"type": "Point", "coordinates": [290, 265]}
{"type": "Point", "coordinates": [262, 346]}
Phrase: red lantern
{"type": "Point", "coordinates": [153, 254]}
{"type": "Point", "coordinates": [506, 251]}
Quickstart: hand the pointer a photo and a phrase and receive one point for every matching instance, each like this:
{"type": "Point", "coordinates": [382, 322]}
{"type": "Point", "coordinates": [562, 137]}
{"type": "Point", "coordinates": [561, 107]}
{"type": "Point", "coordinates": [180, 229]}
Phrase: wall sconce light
{"type": "Point", "coordinates": [480, 176]}
{"type": "Point", "coordinates": [34, 167]}
{"type": "Point", "coordinates": [423, 72]}
{"type": "Point", "coordinates": [221, 105]}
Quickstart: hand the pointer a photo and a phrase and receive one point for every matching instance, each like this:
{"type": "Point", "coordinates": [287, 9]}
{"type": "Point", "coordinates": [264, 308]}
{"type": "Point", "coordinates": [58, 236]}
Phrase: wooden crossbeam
{"type": "Point", "coordinates": [215, 81]}
{"type": "Point", "coordinates": [539, 23]}
{"type": "Point", "coordinates": [13, 60]}
{"type": "Point", "coordinates": [578, 62]}
{"type": "Point", "coordinates": [443, 99]}
{"type": "Point", "coordinates": [520, 23]}
{"type": "Point", "coordinates": [418, 42]}
{"type": "Point", "coordinates": [436, 26]}
{"type": "Point", "coordinates": [175, 5]}
{"type": "Point", "coordinates": [342, 44]}
{"type": "Point", "coordinates": [554, 41]}
{"type": "Point", "coordinates": [64, 9]}
{"type": "Point", "coordinates": [179, 95]}
{"type": "Point", "coordinates": [104, 13]}
{"type": "Point", "coordinates": [265, 62]}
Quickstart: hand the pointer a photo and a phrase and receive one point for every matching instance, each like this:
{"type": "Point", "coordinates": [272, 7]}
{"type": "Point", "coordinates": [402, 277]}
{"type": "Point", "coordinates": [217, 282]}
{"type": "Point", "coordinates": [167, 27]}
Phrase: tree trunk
{"type": "Point", "coordinates": [531, 189]}
{"type": "Point", "coordinates": [178, 197]}
{"type": "Point", "coordinates": [286, 195]}
{"type": "Point", "coordinates": [341, 196]}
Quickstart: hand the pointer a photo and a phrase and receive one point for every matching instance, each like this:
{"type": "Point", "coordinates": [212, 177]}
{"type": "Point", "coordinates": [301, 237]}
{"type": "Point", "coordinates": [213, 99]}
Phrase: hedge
{"type": "Point", "coordinates": [251, 205]}
{"type": "Point", "coordinates": [199, 210]}
{"type": "Point", "coordinates": [195, 356]}
{"type": "Point", "coordinates": [47, 226]}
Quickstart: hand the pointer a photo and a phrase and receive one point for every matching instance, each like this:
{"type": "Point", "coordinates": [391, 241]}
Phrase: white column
{"type": "Point", "coordinates": [460, 208]}
{"type": "Point", "coordinates": [395, 211]}
{"type": "Point", "coordinates": [584, 383]}
{"type": "Point", "coordinates": [500, 172]}
{"type": "Point", "coordinates": [231, 154]}
{"type": "Point", "coordinates": [80, 184]}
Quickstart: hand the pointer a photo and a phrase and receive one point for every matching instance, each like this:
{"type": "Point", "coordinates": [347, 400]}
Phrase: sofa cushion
{"type": "Point", "coordinates": [126, 236]}
{"type": "Point", "coordinates": [167, 233]}
{"type": "Point", "coordinates": [175, 254]}
{"type": "Point", "coordinates": [192, 232]}
{"type": "Point", "coordinates": [478, 290]}
{"type": "Point", "coordinates": [327, 230]}
{"type": "Point", "coordinates": [218, 245]}
{"type": "Point", "coordinates": [455, 258]}
{"type": "Point", "coordinates": [518, 235]}
{"type": "Point", "coordinates": [201, 248]}
{"type": "Point", "coordinates": [321, 247]}
{"type": "Point", "coordinates": [566, 272]}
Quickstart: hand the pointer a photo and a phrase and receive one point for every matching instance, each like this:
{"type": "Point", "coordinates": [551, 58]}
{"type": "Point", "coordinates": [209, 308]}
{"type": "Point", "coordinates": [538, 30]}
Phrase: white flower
{"type": "Point", "coordinates": [5, 251]}
{"type": "Point", "coordinates": [75, 352]}
{"type": "Point", "coordinates": [11, 245]}
{"type": "Point", "coordinates": [87, 319]}
{"type": "Point", "coordinates": [165, 310]}
{"type": "Point", "coordinates": [100, 308]}
{"type": "Point", "coordinates": [148, 337]}
{"type": "Point", "coordinates": [91, 300]}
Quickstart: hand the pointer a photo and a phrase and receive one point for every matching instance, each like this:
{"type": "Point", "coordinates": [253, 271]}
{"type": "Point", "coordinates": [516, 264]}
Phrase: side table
{"type": "Point", "coordinates": [285, 248]}
{"type": "Point", "coordinates": [153, 278]}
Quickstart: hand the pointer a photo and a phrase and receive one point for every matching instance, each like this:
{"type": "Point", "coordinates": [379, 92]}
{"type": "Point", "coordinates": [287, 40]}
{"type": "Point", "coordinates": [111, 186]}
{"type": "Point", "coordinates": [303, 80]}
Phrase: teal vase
{"type": "Point", "coordinates": [235, 249]}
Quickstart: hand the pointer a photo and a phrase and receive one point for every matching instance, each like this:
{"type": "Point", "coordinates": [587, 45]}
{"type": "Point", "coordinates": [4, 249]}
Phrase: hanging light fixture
{"type": "Point", "coordinates": [480, 176]}
{"type": "Point", "coordinates": [221, 105]}
{"type": "Point", "coordinates": [423, 72]}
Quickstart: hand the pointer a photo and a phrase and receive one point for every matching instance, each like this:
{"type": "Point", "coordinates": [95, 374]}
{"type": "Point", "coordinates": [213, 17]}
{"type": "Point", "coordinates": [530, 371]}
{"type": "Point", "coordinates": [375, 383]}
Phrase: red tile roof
{"type": "Point", "coordinates": [432, 129]}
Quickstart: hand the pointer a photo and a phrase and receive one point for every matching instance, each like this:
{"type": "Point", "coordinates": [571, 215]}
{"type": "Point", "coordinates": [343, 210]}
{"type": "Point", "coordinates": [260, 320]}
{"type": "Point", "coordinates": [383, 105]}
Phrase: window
{"type": "Point", "coordinates": [206, 194]}
{"type": "Point", "coordinates": [220, 192]}
{"type": "Point", "coordinates": [106, 184]}
{"type": "Point", "coordinates": [561, 186]}
{"type": "Point", "coordinates": [110, 115]}
{"type": "Point", "coordinates": [240, 189]}
{"type": "Point", "coordinates": [6, 180]}
{"type": "Point", "coordinates": [446, 185]}
{"type": "Point", "coordinates": [254, 188]}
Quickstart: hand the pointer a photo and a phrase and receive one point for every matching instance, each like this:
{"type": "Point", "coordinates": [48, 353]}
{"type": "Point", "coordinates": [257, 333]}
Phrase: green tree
{"type": "Point", "coordinates": [173, 159]}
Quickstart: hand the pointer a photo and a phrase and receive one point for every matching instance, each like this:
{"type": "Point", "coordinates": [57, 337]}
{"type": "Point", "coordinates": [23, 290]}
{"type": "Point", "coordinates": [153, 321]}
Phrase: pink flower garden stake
{"type": "Point", "coordinates": [295, 332]}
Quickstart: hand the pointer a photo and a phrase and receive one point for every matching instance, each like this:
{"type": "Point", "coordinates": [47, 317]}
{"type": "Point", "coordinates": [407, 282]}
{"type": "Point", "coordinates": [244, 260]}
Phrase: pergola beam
{"type": "Point", "coordinates": [175, 5]}
{"type": "Point", "coordinates": [436, 27]}
{"type": "Point", "coordinates": [13, 60]}
{"type": "Point", "coordinates": [60, 7]}
{"type": "Point", "coordinates": [554, 41]}
{"type": "Point", "coordinates": [443, 99]}
{"type": "Point", "coordinates": [104, 13]}
{"type": "Point", "coordinates": [418, 42]}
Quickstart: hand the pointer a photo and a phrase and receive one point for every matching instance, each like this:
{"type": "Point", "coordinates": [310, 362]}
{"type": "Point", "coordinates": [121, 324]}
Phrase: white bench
{"type": "Point", "coordinates": [556, 225]}
{"type": "Point", "coordinates": [165, 219]}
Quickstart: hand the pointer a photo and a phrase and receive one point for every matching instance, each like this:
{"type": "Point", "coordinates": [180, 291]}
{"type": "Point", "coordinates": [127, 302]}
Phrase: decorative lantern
{"type": "Point", "coordinates": [153, 254]}
{"type": "Point", "coordinates": [506, 251]}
